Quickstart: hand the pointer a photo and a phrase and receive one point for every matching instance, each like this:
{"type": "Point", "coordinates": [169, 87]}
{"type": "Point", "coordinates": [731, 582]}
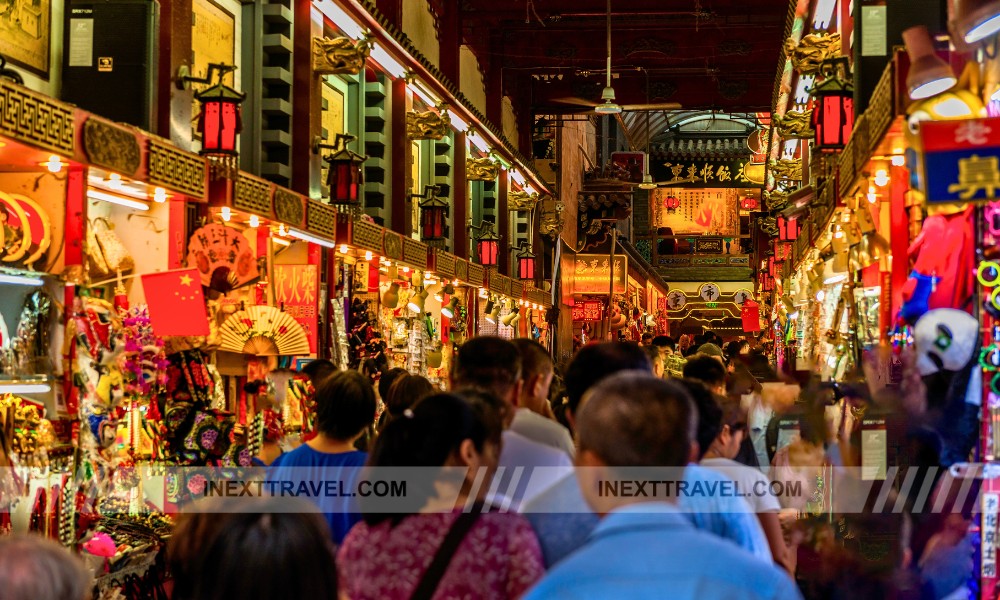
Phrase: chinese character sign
{"type": "Point", "coordinates": [701, 173]}
{"type": "Point", "coordinates": [588, 311]}
{"type": "Point", "coordinates": [593, 274]}
{"type": "Point", "coordinates": [297, 289]}
{"type": "Point", "coordinates": [961, 160]}
{"type": "Point", "coordinates": [991, 509]}
{"type": "Point", "coordinates": [215, 246]}
{"type": "Point", "coordinates": [712, 211]}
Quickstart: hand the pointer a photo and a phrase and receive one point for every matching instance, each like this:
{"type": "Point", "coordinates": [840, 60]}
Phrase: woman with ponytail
{"type": "Point", "coordinates": [449, 546]}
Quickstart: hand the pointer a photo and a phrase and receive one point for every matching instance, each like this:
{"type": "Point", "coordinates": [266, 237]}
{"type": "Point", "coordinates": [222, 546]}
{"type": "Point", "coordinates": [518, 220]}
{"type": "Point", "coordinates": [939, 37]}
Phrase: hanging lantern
{"type": "Point", "coordinates": [788, 229]}
{"type": "Point", "coordinates": [220, 120]}
{"type": "Point", "coordinates": [488, 245]}
{"type": "Point", "coordinates": [672, 203]}
{"type": "Point", "coordinates": [749, 203]}
{"type": "Point", "coordinates": [526, 264]}
{"type": "Point", "coordinates": [433, 214]}
{"type": "Point", "coordinates": [833, 109]}
{"type": "Point", "coordinates": [344, 177]}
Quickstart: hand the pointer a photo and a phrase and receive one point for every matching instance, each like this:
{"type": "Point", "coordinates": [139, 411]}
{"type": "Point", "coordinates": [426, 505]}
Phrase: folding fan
{"type": "Point", "coordinates": [15, 221]}
{"type": "Point", "coordinates": [216, 246]}
{"type": "Point", "coordinates": [263, 331]}
{"type": "Point", "coordinates": [40, 227]}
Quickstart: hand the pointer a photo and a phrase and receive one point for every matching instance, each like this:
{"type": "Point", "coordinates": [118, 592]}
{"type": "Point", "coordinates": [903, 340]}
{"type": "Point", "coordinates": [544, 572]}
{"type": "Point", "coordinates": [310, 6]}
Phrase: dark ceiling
{"type": "Point", "coordinates": [710, 54]}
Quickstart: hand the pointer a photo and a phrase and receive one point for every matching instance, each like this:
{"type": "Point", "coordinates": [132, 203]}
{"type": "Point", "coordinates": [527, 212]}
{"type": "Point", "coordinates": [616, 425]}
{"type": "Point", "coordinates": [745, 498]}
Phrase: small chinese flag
{"type": "Point", "coordinates": [176, 303]}
{"type": "Point", "coordinates": [751, 316]}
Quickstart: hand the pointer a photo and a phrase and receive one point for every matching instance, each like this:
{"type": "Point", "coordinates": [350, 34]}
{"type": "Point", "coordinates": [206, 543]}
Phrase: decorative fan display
{"type": "Point", "coordinates": [214, 247]}
{"type": "Point", "coordinates": [263, 331]}
{"type": "Point", "coordinates": [25, 230]}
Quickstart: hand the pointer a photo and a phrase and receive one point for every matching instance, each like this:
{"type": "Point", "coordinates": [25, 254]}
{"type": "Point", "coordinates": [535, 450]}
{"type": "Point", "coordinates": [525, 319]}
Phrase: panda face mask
{"type": "Point", "coordinates": [946, 340]}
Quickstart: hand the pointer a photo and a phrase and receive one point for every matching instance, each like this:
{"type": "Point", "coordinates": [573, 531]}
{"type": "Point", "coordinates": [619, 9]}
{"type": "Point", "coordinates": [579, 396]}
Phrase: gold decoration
{"type": "Point", "coordinates": [521, 201]}
{"type": "Point", "coordinates": [481, 169]}
{"type": "Point", "coordinates": [551, 221]}
{"type": "Point", "coordinates": [795, 124]}
{"type": "Point", "coordinates": [787, 168]}
{"type": "Point", "coordinates": [393, 245]}
{"type": "Point", "coordinates": [811, 51]}
{"type": "Point", "coordinates": [415, 253]}
{"type": "Point", "coordinates": [111, 146]}
{"type": "Point", "coordinates": [776, 200]}
{"type": "Point", "coordinates": [289, 207]}
{"type": "Point", "coordinates": [768, 225]}
{"type": "Point", "coordinates": [36, 119]}
{"type": "Point", "coordinates": [428, 125]}
{"type": "Point", "coordinates": [253, 195]}
{"type": "Point", "coordinates": [339, 56]}
{"type": "Point", "coordinates": [175, 169]}
{"type": "Point", "coordinates": [321, 219]}
{"type": "Point", "coordinates": [367, 235]}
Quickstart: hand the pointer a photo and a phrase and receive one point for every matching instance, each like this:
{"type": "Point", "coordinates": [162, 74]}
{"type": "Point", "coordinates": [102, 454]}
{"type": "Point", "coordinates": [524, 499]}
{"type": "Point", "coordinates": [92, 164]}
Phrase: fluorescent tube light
{"type": "Point", "coordinates": [20, 280]}
{"type": "Point", "coordinates": [115, 199]}
{"type": "Point", "coordinates": [307, 237]}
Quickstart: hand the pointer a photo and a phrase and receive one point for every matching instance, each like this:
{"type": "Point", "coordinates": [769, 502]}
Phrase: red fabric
{"type": "Point", "coordinates": [499, 558]}
{"type": "Point", "coordinates": [751, 316]}
{"type": "Point", "coordinates": [945, 249]}
{"type": "Point", "coordinates": [176, 303]}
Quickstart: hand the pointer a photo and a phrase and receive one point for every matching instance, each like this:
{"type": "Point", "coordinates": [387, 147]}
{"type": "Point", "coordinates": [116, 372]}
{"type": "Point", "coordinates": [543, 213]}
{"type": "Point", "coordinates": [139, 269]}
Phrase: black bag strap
{"type": "Point", "coordinates": [442, 558]}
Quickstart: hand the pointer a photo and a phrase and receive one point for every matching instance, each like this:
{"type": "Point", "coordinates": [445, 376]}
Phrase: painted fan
{"type": "Point", "coordinates": [263, 331]}
{"type": "Point", "coordinates": [39, 226]}
{"type": "Point", "coordinates": [214, 247]}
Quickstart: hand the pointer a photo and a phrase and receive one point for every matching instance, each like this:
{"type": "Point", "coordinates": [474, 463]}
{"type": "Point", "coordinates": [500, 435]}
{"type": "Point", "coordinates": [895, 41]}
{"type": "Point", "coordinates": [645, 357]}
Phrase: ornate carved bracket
{"type": "Point", "coordinates": [811, 51]}
{"type": "Point", "coordinates": [340, 55]}
{"type": "Point", "coordinates": [787, 168]}
{"type": "Point", "coordinates": [428, 125]}
{"type": "Point", "coordinates": [551, 221]}
{"type": "Point", "coordinates": [795, 124]}
{"type": "Point", "coordinates": [521, 201]}
{"type": "Point", "coordinates": [481, 169]}
{"type": "Point", "coordinates": [775, 200]}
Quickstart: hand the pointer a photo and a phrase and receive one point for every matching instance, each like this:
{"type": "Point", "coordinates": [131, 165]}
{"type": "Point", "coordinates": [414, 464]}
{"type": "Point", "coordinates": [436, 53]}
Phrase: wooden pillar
{"type": "Point", "coordinates": [306, 101]}
{"type": "Point", "coordinates": [460, 199]}
{"type": "Point", "coordinates": [173, 116]}
{"type": "Point", "coordinates": [503, 223]}
{"type": "Point", "coordinates": [402, 156]}
{"type": "Point", "coordinates": [450, 39]}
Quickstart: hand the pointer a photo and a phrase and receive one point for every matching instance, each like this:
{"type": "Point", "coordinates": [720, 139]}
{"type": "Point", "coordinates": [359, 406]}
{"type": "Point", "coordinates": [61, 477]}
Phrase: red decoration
{"type": "Point", "coordinates": [833, 106]}
{"type": "Point", "coordinates": [750, 314]}
{"type": "Point", "coordinates": [220, 120]}
{"type": "Point", "coordinates": [592, 310]}
{"type": "Point", "coordinates": [345, 176]}
{"type": "Point", "coordinates": [526, 265]}
{"type": "Point", "coordinates": [433, 215]}
{"type": "Point", "coordinates": [749, 203]}
{"type": "Point", "coordinates": [671, 203]}
{"type": "Point", "coordinates": [788, 229]}
{"type": "Point", "coordinates": [176, 303]}
{"type": "Point", "coordinates": [488, 246]}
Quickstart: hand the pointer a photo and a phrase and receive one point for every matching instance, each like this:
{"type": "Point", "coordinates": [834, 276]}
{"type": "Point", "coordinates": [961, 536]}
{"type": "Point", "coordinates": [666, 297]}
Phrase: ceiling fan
{"type": "Point", "coordinates": [608, 105]}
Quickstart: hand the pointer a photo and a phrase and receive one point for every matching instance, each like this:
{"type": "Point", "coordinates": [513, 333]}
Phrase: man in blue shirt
{"type": "Point", "coordinates": [645, 547]}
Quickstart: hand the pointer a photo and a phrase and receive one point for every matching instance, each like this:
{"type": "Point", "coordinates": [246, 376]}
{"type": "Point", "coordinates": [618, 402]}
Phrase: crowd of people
{"type": "Point", "coordinates": [530, 517]}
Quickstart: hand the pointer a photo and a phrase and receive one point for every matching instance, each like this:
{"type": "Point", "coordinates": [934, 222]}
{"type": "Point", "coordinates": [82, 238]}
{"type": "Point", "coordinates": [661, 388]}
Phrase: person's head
{"type": "Point", "coordinates": [631, 419]}
{"type": "Point", "coordinates": [708, 370]}
{"type": "Point", "coordinates": [536, 374]}
{"type": "Point", "coordinates": [36, 568]}
{"type": "Point", "coordinates": [443, 430]}
{"type": "Point", "coordinates": [406, 391]}
{"type": "Point", "coordinates": [732, 428]}
{"type": "Point", "coordinates": [318, 370]}
{"type": "Point", "coordinates": [709, 414]}
{"type": "Point", "coordinates": [655, 359]}
{"type": "Point", "coordinates": [345, 406]}
{"type": "Point", "coordinates": [491, 364]}
{"type": "Point", "coordinates": [386, 380]}
{"type": "Point", "coordinates": [647, 339]}
{"type": "Point", "coordinates": [713, 350]}
{"type": "Point", "coordinates": [598, 361]}
{"type": "Point", "coordinates": [262, 549]}
{"type": "Point", "coordinates": [665, 344]}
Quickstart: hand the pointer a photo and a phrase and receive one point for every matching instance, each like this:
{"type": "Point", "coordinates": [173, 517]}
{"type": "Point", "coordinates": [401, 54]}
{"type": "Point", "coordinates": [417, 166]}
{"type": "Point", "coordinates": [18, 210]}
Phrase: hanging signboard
{"type": "Point", "coordinates": [961, 160]}
{"type": "Point", "coordinates": [593, 274]}
{"type": "Point", "coordinates": [591, 310]}
{"type": "Point", "coordinates": [296, 288]}
{"type": "Point", "coordinates": [681, 172]}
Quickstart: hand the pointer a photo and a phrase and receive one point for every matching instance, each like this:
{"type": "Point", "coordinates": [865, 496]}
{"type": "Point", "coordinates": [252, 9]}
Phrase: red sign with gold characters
{"type": "Point", "coordinates": [591, 310]}
{"type": "Point", "coordinates": [296, 288]}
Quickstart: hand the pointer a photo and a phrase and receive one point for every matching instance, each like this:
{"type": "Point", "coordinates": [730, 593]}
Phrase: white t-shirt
{"type": "Point", "coordinates": [526, 469]}
{"type": "Point", "coordinates": [751, 483]}
{"type": "Point", "coordinates": [542, 430]}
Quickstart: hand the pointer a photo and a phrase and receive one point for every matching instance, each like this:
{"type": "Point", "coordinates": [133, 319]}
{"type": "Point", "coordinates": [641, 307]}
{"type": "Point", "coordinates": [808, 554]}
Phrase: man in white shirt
{"type": "Point", "coordinates": [527, 467]}
{"type": "Point", "coordinates": [533, 417]}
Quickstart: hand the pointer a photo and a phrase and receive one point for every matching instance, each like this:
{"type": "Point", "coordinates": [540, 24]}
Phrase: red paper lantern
{"type": "Point", "coordinates": [833, 106]}
{"type": "Point", "coordinates": [345, 176]}
{"type": "Point", "coordinates": [526, 264]}
{"type": "Point", "coordinates": [488, 246]}
{"type": "Point", "coordinates": [749, 203]}
{"type": "Point", "coordinates": [433, 215]}
{"type": "Point", "coordinates": [788, 229]}
{"type": "Point", "coordinates": [220, 120]}
{"type": "Point", "coordinates": [671, 203]}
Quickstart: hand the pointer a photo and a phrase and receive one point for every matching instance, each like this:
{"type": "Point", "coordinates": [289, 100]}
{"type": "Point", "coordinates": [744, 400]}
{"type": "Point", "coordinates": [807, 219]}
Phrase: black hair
{"type": "Point", "coordinates": [406, 391]}
{"type": "Point", "coordinates": [633, 419]}
{"type": "Point", "coordinates": [535, 359]}
{"type": "Point", "coordinates": [265, 549]}
{"type": "Point", "coordinates": [487, 363]}
{"type": "Point", "coordinates": [318, 370]}
{"type": "Point", "coordinates": [385, 382]}
{"type": "Point", "coordinates": [345, 405]}
{"type": "Point", "coordinates": [429, 434]}
{"type": "Point", "coordinates": [653, 353]}
{"type": "Point", "coordinates": [599, 361]}
{"type": "Point", "coordinates": [709, 413]}
{"type": "Point", "coordinates": [706, 369]}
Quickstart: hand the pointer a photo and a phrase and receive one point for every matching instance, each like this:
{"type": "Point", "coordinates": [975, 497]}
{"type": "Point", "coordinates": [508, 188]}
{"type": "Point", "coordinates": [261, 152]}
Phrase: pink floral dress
{"type": "Point", "coordinates": [499, 558]}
